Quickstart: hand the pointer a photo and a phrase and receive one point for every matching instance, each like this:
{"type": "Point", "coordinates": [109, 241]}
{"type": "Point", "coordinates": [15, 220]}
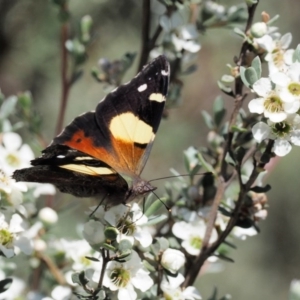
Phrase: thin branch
{"type": "Point", "coordinates": [105, 260]}
{"type": "Point", "coordinates": [65, 86]}
{"type": "Point", "coordinates": [146, 19]}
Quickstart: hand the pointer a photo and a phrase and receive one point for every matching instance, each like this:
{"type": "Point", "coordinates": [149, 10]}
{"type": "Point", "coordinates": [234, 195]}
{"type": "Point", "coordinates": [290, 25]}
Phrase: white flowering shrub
{"type": "Point", "coordinates": [156, 249]}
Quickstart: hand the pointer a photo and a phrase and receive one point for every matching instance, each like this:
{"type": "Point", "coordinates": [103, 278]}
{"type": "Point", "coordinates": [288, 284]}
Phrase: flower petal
{"type": "Point", "coordinates": [262, 87]}
{"type": "Point", "coordinates": [256, 105]}
{"type": "Point", "coordinates": [11, 141]}
{"type": "Point", "coordinates": [282, 147]}
{"type": "Point", "coordinates": [261, 131]}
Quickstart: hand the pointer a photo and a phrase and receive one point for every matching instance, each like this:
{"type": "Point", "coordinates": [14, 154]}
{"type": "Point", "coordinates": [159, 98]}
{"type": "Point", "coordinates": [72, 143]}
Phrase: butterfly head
{"type": "Point", "coordinates": [138, 189]}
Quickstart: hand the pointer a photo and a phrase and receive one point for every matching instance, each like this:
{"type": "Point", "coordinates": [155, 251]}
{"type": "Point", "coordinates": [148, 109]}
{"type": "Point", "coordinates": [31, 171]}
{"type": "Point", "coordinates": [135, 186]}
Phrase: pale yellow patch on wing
{"type": "Point", "coordinates": [129, 128]}
{"type": "Point", "coordinates": [88, 170]}
{"type": "Point", "coordinates": [157, 97]}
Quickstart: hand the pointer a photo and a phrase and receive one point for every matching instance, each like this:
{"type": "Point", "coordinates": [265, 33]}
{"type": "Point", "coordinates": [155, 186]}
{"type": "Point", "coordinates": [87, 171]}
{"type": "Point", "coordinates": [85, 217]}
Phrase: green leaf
{"type": "Point", "coordinates": [251, 76]}
{"type": "Point", "coordinates": [227, 78]}
{"type": "Point", "coordinates": [85, 26]}
{"type": "Point", "coordinates": [214, 294]}
{"type": "Point", "coordinates": [219, 111]}
{"type": "Point", "coordinates": [124, 256]}
{"type": "Point", "coordinates": [149, 266]}
{"type": "Point", "coordinates": [92, 258]}
{"type": "Point", "coordinates": [76, 76]}
{"type": "Point", "coordinates": [82, 279]}
{"type": "Point", "coordinates": [208, 167]}
{"type": "Point", "coordinates": [154, 207]}
{"type": "Point", "coordinates": [240, 153]}
{"type": "Point", "coordinates": [208, 120]}
{"type": "Point", "coordinates": [256, 64]}
{"type": "Point", "coordinates": [239, 32]}
{"type": "Point", "coordinates": [8, 107]}
{"type": "Point", "coordinates": [229, 159]}
{"type": "Point", "coordinates": [109, 247]}
{"type": "Point", "coordinates": [226, 89]}
{"type": "Point", "coordinates": [163, 243]}
{"type": "Point", "coordinates": [223, 257]}
{"type": "Point", "coordinates": [235, 128]}
{"type": "Point", "coordinates": [261, 189]}
{"type": "Point", "coordinates": [190, 158]}
{"type": "Point", "coordinates": [273, 20]}
{"type": "Point", "coordinates": [153, 220]}
{"type": "Point", "coordinates": [194, 171]}
{"type": "Point", "coordinates": [243, 77]}
{"type": "Point", "coordinates": [296, 54]}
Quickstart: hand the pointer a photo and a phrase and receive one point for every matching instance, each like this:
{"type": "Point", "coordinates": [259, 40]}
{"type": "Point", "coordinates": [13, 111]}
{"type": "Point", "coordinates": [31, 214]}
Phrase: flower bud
{"type": "Point", "coordinates": [48, 216]}
{"type": "Point", "coordinates": [259, 29]}
{"type": "Point", "coordinates": [172, 260]}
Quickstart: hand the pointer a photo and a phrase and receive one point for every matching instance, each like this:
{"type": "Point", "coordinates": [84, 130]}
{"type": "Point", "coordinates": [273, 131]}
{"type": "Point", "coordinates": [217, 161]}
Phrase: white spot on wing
{"type": "Point", "coordinates": [60, 156]}
{"type": "Point", "coordinates": [164, 72]}
{"type": "Point", "coordinates": [142, 87]}
{"type": "Point", "coordinates": [157, 97]}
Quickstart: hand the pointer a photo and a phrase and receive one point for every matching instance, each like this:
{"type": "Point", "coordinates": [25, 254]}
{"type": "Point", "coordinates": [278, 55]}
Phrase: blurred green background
{"type": "Point", "coordinates": [30, 60]}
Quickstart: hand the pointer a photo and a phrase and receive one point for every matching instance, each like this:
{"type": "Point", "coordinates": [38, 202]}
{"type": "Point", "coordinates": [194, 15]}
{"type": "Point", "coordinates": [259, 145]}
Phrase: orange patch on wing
{"type": "Point", "coordinates": [86, 145]}
{"type": "Point", "coordinates": [129, 155]}
{"type": "Point", "coordinates": [124, 159]}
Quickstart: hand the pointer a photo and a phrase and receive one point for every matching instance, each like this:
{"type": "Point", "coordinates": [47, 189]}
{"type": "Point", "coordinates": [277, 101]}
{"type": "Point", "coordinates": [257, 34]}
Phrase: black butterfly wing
{"type": "Point", "coordinates": [75, 173]}
{"type": "Point", "coordinates": [122, 129]}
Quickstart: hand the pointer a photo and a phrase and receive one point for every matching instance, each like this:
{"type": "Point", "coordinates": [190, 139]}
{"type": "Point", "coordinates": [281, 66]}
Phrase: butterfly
{"type": "Point", "coordinates": [103, 152]}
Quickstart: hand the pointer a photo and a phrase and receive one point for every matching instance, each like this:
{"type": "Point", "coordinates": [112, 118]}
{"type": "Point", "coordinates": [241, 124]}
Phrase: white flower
{"type": "Point", "coordinates": [124, 277]}
{"type": "Point", "coordinates": [129, 222]}
{"type": "Point", "coordinates": [295, 289]}
{"type": "Point", "coordinates": [243, 233]}
{"type": "Point", "coordinates": [14, 155]}
{"type": "Point", "coordinates": [11, 190]}
{"type": "Point", "coordinates": [42, 189]}
{"type": "Point", "coordinates": [278, 57]}
{"type": "Point", "coordinates": [61, 293]}
{"type": "Point", "coordinates": [284, 133]}
{"type": "Point", "coordinates": [172, 260]}
{"type": "Point", "coordinates": [192, 235]}
{"type": "Point", "coordinates": [288, 83]}
{"type": "Point", "coordinates": [15, 291]}
{"type": "Point", "coordinates": [190, 293]}
{"type": "Point", "coordinates": [269, 103]}
{"type": "Point", "coordinates": [11, 237]}
{"type": "Point", "coordinates": [77, 251]}
{"type": "Point", "coordinates": [48, 215]}
{"type": "Point", "coordinates": [261, 131]}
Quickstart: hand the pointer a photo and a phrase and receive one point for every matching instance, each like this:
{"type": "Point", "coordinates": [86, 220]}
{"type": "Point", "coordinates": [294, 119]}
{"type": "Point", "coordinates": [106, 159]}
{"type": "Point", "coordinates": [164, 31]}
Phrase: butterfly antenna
{"type": "Point", "coordinates": [181, 175]}
{"type": "Point", "coordinates": [163, 203]}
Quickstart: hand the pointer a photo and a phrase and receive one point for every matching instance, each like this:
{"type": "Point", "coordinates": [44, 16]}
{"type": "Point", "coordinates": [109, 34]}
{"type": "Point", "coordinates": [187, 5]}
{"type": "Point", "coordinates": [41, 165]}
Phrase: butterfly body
{"type": "Point", "coordinates": [103, 152]}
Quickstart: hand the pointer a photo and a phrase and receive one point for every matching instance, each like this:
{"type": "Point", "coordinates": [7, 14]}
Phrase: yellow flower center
{"type": "Point", "coordinates": [126, 226]}
{"type": "Point", "coordinates": [294, 88]}
{"type": "Point", "coordinates": [13, 160]}
{"type": "Point", "coordinates": [6, 237]}
{"type": "Point", "coordinates": [277, 56]}
{"type": "Point", "coordinates": [273, 104]}
{"type": "Point", "coordinates": [196, 242]}
{"type": "Point", "coordinates": [120, 277]}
